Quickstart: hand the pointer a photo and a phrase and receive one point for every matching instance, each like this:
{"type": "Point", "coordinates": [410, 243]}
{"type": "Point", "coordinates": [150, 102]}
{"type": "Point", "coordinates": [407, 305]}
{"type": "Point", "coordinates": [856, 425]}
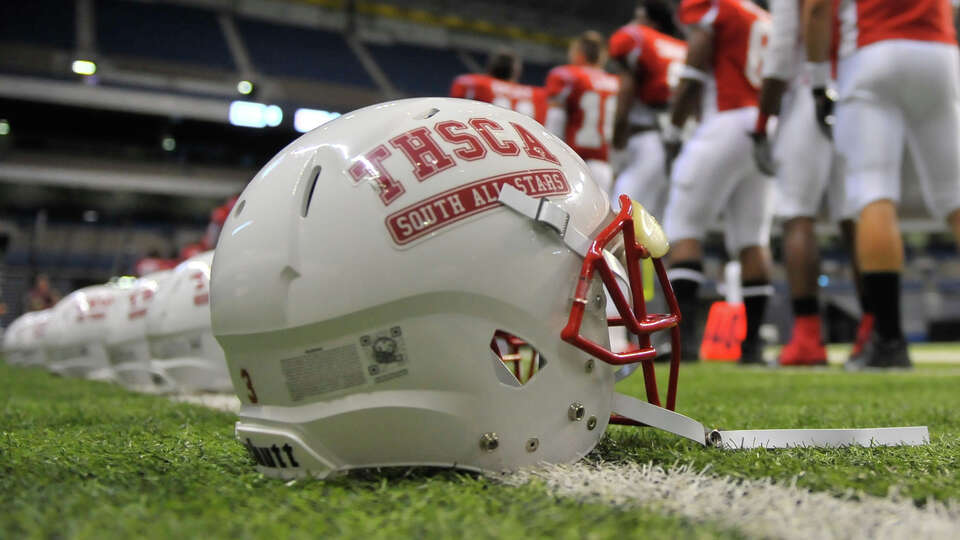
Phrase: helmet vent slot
{"type": "Point", "coordinates": [428, 114]}
{"type": "Point", "coordinates": [518, 361]}
{"type": "Point", "coordinates": [308, 193]}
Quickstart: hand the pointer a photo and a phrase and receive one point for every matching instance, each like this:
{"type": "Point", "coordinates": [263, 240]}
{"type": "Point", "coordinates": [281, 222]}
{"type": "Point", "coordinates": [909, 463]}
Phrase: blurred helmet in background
{"type": "Point", "coordinates": [126, 339]}
{"type": "Point", "coordinates": [78, 328]}
{"type": "Point", "coordinates": [178, 329]}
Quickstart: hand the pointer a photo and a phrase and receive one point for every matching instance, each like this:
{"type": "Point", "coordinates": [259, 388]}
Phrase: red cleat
{"type": "Point", "coordinates": [863, 334]}
{"type": "Point", "coordinates": [806, 346]}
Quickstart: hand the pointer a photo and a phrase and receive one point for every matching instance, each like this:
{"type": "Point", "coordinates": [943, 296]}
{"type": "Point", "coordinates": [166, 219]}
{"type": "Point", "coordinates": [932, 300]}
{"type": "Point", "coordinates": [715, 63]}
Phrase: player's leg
{"type": "Point", "coordinates": [644, 179]}
{"type": "Point", "coordinates": [748, 219]}
{"type": "Point", "coordinates": [933, 131]}
{"type": "Point", "coordinates": [870, 135]}
{"type": "Point", "coordinates": [848, 232]}
{"type": "Point", "coordinates": [706, 171]}
{"type": "Point", "coordinates": [805, 158]}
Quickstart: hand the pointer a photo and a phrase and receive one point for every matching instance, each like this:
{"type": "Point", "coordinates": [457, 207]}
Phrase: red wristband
{"type": "Point", "coordinates": [761, 126]}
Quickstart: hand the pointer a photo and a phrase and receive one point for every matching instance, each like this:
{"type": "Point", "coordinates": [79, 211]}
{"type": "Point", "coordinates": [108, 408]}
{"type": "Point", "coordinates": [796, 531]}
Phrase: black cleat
{"type": "Point", "coordinates": [880, 353]}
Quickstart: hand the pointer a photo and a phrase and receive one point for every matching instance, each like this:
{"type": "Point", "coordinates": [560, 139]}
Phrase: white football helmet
{"type": "Point", "coordinates": [178, 329]}
{"type": "Point", "coordinates": [126, 338]}
{"type": "Point", "coordinates": [78, 327]}
{"type": "Point", "coordinates": [379, 306]}
{"type": "Point", "coordinates": [23, 339]}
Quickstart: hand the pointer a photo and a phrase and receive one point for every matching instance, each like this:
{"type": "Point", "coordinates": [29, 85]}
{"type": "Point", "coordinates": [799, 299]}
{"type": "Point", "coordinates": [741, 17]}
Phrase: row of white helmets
{"type": "Point", "coordinates": [150, 334]}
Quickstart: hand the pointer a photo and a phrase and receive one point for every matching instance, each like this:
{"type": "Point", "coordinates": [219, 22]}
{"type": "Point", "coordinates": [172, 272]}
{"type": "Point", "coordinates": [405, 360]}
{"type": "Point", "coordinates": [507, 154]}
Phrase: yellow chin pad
{"type": "Point", "coordinates": [648, 231]}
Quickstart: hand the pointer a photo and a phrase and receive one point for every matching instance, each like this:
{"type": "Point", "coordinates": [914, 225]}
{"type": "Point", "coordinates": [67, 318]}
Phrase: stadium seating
{"type": "Point", "coordinates": [289, 51]}
{"type": "Point", "coordinates": [38, 22]}
{"type": "Point", "coordinates": [162, 32]}
{"type": "Point", "coordinates": [534, 73]}
{"type": "Point", "coordinates": [420, 71]}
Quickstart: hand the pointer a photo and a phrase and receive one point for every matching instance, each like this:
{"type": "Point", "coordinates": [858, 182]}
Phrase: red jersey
{"type": "Point", "coordinates": [862, 22]}
{"type": "Point", "coordinates": [654, 58]}
{"type": "Point", "coordinates": [741, 31]}
{"type": "Point", "coordinates": [528, 100]}
{"type": "Point", "coordinates": [589, 96]}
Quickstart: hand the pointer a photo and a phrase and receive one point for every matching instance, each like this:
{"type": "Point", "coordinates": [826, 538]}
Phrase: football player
{"type": "Point", "coordinates": [898, 82]}
{"type": "Point", "coordinates": [806, 168]}
{"type": "Point", "coordinates": [651, 61]}
{"type": "Point", "coordinates": [714, 173]}
{"type": "Point", "coordinates": [499, 86]}
{"type": "Point", "coordinates": [583, 104]}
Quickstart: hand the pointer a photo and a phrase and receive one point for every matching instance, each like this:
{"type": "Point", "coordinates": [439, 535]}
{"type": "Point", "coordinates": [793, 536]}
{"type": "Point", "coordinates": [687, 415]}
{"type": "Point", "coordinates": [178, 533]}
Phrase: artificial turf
{"type": "Point", "coordinates": [87, 459]}
{"type": "Point", "coordinates": [732, 397]}
{"type": "Point", "coordinates": [82, 459]}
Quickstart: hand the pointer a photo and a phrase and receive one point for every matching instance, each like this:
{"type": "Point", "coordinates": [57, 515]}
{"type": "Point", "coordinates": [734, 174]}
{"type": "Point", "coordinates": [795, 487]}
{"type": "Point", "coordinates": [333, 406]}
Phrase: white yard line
{"type": "Point", "coordinates": [758, 508]}
{"type": "Point", "coordinates": [919, 355]}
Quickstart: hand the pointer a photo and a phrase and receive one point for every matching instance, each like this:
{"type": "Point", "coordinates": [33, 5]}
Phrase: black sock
{"type": "Point", "coordinates": [883, 290]}
{"type": "Point", "coordinates": [806, 305]}
{"type": "Point", "coordinates": [685, 278]}
{"type": "Point", "coordinates": [756, 305]}
{"type": "Point", "coordinates": [865, 305]}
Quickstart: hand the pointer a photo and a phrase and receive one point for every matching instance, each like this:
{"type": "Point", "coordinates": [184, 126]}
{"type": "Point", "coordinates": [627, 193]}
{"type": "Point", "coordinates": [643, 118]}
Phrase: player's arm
{"type": "Point", "coordinates": [780, 59]}
{"type": "Point", "coordinates": [558, 88]}
{"type": "Point", "coordinates": [778, 69]}
{"type": "Point", "coordinates": [686, 98]}
{"type": "Point", "coordinates": [817, 30]}
{"type": "Point", "coordinates": [620, 45]}
{"type": "Point", "coordinates": [621, 125]}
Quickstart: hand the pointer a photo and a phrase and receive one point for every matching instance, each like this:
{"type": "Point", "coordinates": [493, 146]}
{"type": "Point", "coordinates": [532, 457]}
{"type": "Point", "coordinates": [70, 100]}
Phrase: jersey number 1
{"type": "Point", "coordinates": [598, 115]}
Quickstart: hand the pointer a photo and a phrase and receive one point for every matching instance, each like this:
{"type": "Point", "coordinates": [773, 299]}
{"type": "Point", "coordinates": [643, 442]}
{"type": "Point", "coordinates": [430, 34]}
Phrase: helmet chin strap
{"type": "Point", "coordinates": [547, 213]}
{"type": "Point", "coordinates": [637, 412]}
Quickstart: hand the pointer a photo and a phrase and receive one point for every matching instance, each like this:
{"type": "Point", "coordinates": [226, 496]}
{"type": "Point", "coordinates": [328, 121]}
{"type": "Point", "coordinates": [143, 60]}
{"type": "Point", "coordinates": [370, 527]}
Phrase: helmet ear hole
{"type": "Point", "coordinates": [308, 193]}
{"type": "Point", "coordinates": [517, 356]}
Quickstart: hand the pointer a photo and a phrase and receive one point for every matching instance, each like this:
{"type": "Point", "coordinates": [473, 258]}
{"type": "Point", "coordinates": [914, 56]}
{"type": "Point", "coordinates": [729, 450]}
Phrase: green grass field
{"type": "Point", "coordinates": [86, 459]}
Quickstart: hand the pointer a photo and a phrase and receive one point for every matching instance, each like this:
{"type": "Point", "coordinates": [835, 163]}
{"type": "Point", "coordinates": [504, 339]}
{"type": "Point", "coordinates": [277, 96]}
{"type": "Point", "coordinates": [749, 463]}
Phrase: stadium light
{"type": "Point", "coordinates": [245, 87]}
{"type": "Point", "coordinates": [255, 115]}
{"type": "Point", "coordinates": [84, 67]}
{"type": "Point", "coordinates": [305, 120]}
{"type": "Point", "coordinates": [4, 127]}
{"type": "Point", "coordinates": [273, 115]}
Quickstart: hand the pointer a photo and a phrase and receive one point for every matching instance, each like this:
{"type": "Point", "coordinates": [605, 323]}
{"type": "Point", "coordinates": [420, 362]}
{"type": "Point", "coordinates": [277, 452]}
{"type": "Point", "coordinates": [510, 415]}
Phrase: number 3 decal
{"type": "Point", "coordinates": [252, 394]}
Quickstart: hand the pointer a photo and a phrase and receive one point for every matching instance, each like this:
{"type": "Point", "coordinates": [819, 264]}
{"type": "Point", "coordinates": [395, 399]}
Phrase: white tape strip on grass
{"type": "Point", "coordinates": [755, 507]}
{"type": "Point", "coordinates": [222, 402]}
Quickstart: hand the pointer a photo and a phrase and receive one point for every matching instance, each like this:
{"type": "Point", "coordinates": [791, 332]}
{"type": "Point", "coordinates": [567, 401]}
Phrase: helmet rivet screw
{"type": "Point", "coordinates": [576, 411]}
{"type": "Point", "coordinates": [489, 442]}
{"type": "Point", "coordinates": [588, 367]}
{"type": "Point", "coordinates": [591, 422]}
{"type": "Point", "coordinates": [533, 444]}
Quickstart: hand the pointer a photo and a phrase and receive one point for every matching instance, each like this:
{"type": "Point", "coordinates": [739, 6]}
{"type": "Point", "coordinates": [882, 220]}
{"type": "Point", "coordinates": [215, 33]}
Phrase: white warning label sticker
{"type": "Point", "coordinates": [320, 371]}
{"type": "Point", "coordinates": [375, 358]}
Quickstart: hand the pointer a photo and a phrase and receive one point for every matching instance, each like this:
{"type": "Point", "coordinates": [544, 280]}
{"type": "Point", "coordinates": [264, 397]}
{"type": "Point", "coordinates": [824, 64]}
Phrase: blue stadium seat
{"type": "Point", "coordinates": [38, 22]}
{"type": "Point", "coordinates": [291, 51]}
{"type": "Point", "coordinates": [163, 32]}
{"type": "Point", "coordinates": [417, 70]}
{"type": "Point", "coordinates": [534, 73]}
